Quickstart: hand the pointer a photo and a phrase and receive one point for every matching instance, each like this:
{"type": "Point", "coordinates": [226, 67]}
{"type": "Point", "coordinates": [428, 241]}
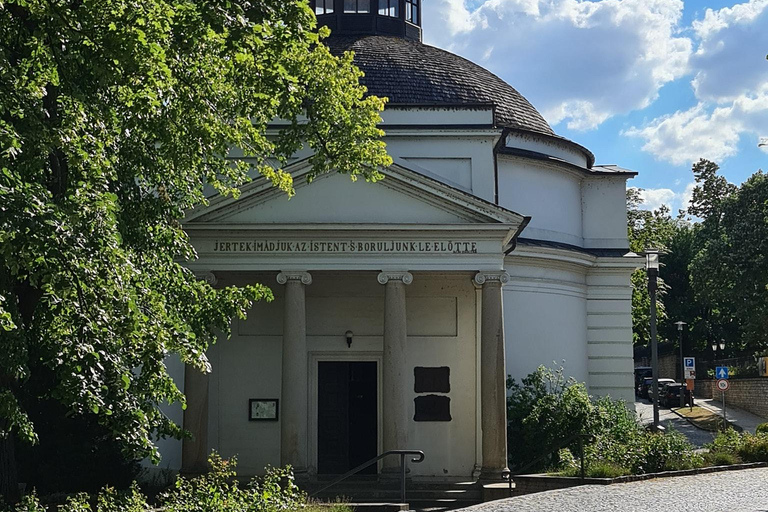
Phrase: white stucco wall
{"type": "Point", "coordinates": [604, 207]}
{"type": "Point", "coordinates": [550, 195]}
{"type": "Point", "coordinates": [545, 317]}
{"type": "Point", "coordinates": [466, 161]}
{"type": "Point", "coordinates": [547, 146]}
{"type": "Point", "coordinates": [609, 331]}
{"type": "Point", "coordinates": [442, 330]}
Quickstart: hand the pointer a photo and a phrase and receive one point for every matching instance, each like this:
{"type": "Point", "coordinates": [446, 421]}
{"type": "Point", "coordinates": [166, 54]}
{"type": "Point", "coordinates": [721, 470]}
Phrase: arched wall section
{"type": "Point", "coordinates": [550, 195]}
{"type": "Point", "coordinates": [545, 317]}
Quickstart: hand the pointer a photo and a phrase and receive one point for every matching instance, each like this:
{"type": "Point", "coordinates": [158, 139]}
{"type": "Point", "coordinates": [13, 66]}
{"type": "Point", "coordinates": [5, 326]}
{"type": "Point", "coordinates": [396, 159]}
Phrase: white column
{"type": "Point", "coordinates": [394, 367]}
{"type": "Point", "coordinates": [293, 403]}
{"type": "Point", "coordinates": [494, 377]}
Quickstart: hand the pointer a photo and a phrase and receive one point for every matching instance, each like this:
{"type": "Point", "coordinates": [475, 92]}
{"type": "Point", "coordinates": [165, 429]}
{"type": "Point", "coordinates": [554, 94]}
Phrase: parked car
{"type": "Point", "coordinates": [641, 372]}
{"type": "Point", "coordinates": [648, 382]}
{"type": "Point", "coordinates": [644, 386]}
{"type": "Point", "coordinates": [669, 396]}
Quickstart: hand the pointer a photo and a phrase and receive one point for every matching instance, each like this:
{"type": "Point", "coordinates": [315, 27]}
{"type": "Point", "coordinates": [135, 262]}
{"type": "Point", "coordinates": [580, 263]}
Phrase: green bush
{"type": "Point", "coordinates": [762, 428]}
{"type": "Point", "coordinates": [542, 412]}
{"type": "Point", "coordinates": [216, 491]}
{"type": "Point", "coordinates": [725, 442]}
{"type": "Point", "coordinates": [605, 469]}
{"type": "Point", "coordinates": [666, 451]}
{"type": "Point", "coordinates": [754, 447]}
{"type": "Point", "coordinates": [600, 469]}
{"type": "Point", "coordinates": [721, 459]}
{"type": "Point", "coordinates": [547, 409]}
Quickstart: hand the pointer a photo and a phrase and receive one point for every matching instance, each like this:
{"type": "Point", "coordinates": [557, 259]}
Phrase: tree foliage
{"type": "Point", "coordinates": [647, 229]}
{"type": "Point", "coordinates": [730, 271]}
{"type": "Point", "coordinates": [714, 271]}
{"type": "Point", "coordinates": [116, 116]}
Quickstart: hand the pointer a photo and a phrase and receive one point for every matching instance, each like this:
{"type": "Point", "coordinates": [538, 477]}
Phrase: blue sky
{"type": "Point", "coordinates": [651, 85]}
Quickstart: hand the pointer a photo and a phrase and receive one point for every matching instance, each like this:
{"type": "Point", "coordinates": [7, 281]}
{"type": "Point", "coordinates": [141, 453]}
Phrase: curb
{"type": "Point", "coordinates": [737, 428]}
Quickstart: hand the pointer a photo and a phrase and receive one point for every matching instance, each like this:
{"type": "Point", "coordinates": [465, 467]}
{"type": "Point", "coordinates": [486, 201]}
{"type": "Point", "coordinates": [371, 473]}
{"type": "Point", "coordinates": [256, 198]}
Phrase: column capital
{"type": "Point", "coordinates": [385, 277]}
{"type": "Point", "coordinates": [500, 276]}
{"type": "Point", "coordinates": [207, 276]}
{"type": "Point", "coordinates": [303, 277]}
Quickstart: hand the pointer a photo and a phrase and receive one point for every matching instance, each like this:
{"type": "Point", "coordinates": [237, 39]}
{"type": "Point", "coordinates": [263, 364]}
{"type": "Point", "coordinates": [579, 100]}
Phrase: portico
{"type": "Point", "coordinates": [421, 299]}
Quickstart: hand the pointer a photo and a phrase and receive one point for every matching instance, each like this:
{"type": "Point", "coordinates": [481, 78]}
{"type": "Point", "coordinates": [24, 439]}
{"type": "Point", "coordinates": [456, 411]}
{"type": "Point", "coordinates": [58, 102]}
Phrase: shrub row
{"type": "Point", "coordinates": [216, 491]}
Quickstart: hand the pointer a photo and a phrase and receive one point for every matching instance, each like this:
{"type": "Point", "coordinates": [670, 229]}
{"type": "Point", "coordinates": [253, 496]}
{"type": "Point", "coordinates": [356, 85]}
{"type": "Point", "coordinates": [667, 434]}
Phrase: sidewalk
{"type": "Point", "coordinates": [740, 417]}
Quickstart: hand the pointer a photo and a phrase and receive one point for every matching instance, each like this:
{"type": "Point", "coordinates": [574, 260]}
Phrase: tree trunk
{"type": "Point", "coordinates": [9, 476]}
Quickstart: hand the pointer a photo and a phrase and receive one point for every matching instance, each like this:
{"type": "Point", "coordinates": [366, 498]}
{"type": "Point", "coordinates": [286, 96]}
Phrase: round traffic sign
{"type": "Point", "coordinates": [723, 385]}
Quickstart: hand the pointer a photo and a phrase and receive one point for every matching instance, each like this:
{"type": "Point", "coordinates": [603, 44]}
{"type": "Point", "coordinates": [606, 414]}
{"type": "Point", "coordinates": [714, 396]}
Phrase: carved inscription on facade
{"type": "Point", "coordinates": [345, 246]}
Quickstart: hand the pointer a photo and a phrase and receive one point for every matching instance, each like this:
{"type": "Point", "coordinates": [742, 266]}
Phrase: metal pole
{"type": "Point", "coordinates": [682, 368]}
{"type": "Point", "coordinates": [654, 347]}
{"type": "Point", "coordinates": [402, 478]}
{"type": "Point", "coordinates": [581, 449]}
{"type": "Point", "coordinates": [725, 418]}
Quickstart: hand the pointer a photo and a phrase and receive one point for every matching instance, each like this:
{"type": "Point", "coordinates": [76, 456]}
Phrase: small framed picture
{"type": "Point", "coordinates": [263, 409]}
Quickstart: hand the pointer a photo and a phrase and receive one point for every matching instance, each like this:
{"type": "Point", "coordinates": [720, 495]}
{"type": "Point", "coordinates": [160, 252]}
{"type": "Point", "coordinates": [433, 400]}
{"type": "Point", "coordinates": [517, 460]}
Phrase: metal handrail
{"type": "Point", "coordinates": [401, 453]}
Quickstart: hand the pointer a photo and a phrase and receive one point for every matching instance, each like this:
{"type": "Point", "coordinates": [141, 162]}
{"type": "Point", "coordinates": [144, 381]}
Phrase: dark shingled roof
{"type": "Point", "coordinates": [409, 72]}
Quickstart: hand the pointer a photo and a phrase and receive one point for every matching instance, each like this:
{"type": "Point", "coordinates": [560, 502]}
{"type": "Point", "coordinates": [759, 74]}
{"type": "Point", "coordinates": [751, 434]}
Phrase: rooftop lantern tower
{"type": "Point", "coordinates": [398, 18]}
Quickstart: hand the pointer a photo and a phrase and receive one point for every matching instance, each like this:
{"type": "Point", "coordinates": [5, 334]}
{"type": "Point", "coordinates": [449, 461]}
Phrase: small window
{"type": "Point", "coordinates": [357, 6]}
{"type": "Point", "coordinates": [323, 6]}
{"type": "Point", "coordinates": [389, 8]}
{"type": "Point", "coordinates": [412, 11]}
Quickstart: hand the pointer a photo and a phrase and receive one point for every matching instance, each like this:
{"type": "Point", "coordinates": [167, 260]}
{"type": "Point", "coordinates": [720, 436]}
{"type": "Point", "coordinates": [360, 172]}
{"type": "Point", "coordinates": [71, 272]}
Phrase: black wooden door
{"type": "Point", "coordinates": [346, 415]}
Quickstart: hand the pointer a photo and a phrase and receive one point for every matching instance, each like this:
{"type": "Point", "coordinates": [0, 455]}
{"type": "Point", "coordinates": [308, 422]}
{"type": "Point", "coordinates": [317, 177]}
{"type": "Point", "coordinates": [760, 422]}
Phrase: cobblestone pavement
{"type": "Point", "coordinates": [728, 491]}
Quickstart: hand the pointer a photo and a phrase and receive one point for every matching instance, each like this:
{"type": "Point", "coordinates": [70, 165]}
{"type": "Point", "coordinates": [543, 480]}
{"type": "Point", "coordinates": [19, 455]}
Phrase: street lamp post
{"type": "Point", "coordinates": [714, 359]}
{"type": "Point", "coordinates": [680, 324]}
{"type": "Point", "coordinates": [652, 267]}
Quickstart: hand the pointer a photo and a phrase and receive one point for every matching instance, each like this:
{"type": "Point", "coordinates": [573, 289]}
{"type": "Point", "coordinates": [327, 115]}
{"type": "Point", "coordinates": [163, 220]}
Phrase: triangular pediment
{"type": "Point", "coordinates": [404, 196]}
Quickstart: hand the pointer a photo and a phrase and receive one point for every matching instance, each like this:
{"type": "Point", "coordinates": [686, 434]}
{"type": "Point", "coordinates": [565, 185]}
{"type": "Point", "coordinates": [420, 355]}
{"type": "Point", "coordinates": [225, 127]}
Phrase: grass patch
{"type": "Point", "coordinates": [704, 418]}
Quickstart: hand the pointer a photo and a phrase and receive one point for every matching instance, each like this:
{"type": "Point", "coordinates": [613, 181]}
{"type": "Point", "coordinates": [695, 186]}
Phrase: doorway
{"type": "Point", "coordinates": [346, 415]}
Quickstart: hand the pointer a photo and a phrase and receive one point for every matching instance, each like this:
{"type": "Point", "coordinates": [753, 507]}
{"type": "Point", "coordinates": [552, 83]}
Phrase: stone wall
{"type": "Point", "coordinates": [748, 394]}
{"type": "Point", "coordinates": [668, 366]}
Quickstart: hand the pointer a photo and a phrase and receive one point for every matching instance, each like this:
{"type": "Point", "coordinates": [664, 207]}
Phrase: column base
{"type": "Point", "coordinates": [492, 474]}
{"type": "Point", "coordinates": [301, 475]}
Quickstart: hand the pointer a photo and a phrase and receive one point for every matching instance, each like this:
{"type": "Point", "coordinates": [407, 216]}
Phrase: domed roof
{"type": "Point", "coordinates": [411, 72]}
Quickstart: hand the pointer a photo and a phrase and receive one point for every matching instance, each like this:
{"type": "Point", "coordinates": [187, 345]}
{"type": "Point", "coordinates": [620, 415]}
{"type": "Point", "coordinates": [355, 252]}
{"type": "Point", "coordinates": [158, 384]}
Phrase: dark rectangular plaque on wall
{"type": "Point", "coordinates": [432, 408]}
{"type": "Point", "coordinates": [432, 379]}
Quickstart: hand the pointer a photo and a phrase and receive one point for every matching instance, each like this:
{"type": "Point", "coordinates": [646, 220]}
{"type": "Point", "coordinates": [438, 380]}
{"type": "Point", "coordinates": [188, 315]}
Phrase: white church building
{"type": "Point", "coordinates": [491, 247]}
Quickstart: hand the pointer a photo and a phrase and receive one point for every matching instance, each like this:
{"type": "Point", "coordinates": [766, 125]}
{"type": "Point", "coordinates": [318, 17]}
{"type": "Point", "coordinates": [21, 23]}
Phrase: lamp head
{"type": "Point", "coordinates": [349, 335]}
{"type": "Point", "coordinates": [652, 261]}
{"type": "Point", "coordinates": [680, 325]}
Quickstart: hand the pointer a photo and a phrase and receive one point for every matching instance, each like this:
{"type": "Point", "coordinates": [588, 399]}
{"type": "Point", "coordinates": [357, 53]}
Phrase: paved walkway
{"type": "Point", "coordinates": [728, 491]}
{"type": "Point", "coordinates": [740, 417]}
{"type": "Point", "coordinates": [669, 419]}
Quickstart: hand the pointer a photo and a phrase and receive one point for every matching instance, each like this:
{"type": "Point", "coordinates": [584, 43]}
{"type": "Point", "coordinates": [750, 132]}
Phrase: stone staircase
{"type": "Point", "coordinates": [422, 495]}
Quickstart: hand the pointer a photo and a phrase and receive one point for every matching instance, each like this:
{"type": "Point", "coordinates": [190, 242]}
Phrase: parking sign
{"type": "Point", "coordinates": [690, 362]}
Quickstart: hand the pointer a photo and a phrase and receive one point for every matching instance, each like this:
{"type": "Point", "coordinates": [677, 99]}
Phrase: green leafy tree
{"type": "Point", "coordinates": [115, 115]}
{"type": "Point", "coordinates": [730, 272]}
{"type": "Point", "coordinates": [646, 229]}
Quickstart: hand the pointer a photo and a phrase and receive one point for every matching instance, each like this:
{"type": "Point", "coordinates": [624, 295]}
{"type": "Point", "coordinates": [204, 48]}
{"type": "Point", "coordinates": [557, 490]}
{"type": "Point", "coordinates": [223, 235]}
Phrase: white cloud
{"type": "Point", "coordinates": [653, 198]}
{"type": "Point", "coordinates": [705, 132]}
{"type": "Point", "coordinates": [729, 60]}
{"type": "Point", "coordinates": [577, 62]}
{"type": "Point", "coordinates": [731, 83]}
